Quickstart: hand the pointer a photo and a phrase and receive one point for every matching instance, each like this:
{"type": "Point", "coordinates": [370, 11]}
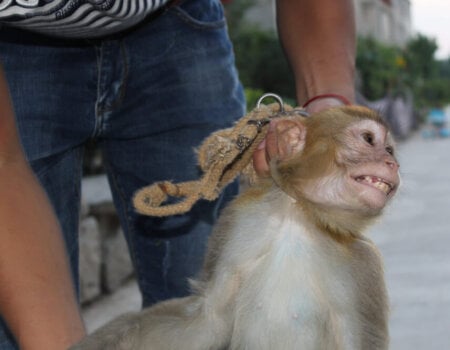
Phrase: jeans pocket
{"type": "Point", "coordinates": [201, 14]}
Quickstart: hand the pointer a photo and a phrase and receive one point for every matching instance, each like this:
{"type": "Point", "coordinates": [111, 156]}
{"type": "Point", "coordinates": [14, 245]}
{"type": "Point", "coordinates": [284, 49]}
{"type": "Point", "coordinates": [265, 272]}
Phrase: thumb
{"type": "Point", "coordinates": [267, 150]}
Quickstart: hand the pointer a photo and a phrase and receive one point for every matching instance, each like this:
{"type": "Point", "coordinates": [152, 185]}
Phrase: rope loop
{"type": "Point", "coordinates": [222, 157]}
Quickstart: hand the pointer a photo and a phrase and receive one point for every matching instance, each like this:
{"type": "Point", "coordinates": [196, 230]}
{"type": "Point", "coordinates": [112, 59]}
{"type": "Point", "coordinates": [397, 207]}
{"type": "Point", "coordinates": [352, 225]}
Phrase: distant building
{"type": "Point", "coordinates": [388, 21]}
{"type": "Point", "coordinates": [262, 14]}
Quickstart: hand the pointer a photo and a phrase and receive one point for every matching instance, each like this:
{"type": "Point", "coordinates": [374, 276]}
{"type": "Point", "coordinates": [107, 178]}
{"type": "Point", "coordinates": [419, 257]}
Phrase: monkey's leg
{"type": "Point", "coordinates": [186, 323]}
{"type": "Point", "coordinates": [191, 323]}
{"type": "Point", "coordinates": [120, 334]}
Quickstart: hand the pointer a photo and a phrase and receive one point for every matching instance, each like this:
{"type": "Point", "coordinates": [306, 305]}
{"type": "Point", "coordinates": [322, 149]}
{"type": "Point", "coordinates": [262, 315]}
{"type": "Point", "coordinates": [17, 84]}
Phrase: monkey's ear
{"type": "Point", "coordinates": [291, 134]}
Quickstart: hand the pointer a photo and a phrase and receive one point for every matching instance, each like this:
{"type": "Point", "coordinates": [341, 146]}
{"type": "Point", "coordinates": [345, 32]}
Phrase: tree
{"type": "Point", "coordinates": [428, 77]}
{"type": "Point", "coordinates": [260, 60]}
{"type": "Point", "coordinates": [390, 70]}
{"type": "Point", "coordinates": [419, 56]}
{"type": "Point", "coordinates": [380, 68]}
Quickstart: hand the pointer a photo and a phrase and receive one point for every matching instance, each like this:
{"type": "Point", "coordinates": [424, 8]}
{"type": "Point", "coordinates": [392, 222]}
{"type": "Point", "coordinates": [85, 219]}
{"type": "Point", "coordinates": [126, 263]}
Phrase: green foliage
{"type": "Point", "coordinates": [433, 93]}
{"type": "Point", "coordinates": [261, 62]}
{"type": "Point", "coordinates": [235, 11]}
{"type": "Point", "coordinates": [260, 59]}
{"type": "Point", "coordinates": [419, 56]}
{"type": "Point", "coordinates": [390, 70]}
{"type": "Point", "coordinates": [380, 67]}
{"type": "Point", "coordinates": [428, 77]}
{"type": "Point", "coordinates": [444, 68]}
{"type": "Point", "coordinates": [252, 96]}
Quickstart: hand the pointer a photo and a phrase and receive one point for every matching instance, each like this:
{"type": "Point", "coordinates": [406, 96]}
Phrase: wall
{"type": "Point", "coordinates": [105, 264]}
{"type": "Point", "coordinates": [388, 21]}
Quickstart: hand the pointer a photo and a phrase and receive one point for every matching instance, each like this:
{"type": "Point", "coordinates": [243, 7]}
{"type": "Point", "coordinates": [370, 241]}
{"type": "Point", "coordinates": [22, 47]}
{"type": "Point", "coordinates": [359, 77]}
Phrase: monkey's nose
{"type": "Point", "coordinates": [392, 164]}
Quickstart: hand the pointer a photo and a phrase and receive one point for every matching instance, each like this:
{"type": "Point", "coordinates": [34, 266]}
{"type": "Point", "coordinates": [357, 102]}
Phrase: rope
{"type": "Point", "coordinates": [222, 157]}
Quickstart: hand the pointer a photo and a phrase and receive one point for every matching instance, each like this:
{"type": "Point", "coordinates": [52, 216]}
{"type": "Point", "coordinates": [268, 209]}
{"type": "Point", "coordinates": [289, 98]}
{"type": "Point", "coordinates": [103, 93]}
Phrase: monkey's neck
{"type": "Point", "coordinates": [342, 225]}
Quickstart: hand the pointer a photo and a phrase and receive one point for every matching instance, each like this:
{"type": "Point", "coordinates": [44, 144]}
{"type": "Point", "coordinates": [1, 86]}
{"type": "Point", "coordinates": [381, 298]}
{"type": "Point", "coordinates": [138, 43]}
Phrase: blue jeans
{"type": "Point", "coordinates": [148, 96]}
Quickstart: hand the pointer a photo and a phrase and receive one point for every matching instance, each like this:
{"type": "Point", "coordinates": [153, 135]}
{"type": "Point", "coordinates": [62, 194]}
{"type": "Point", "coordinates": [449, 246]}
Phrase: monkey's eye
{"type": "Point", "coordinates": [368, 137]}
{"type": "Point", "coordinates": [390, 150]}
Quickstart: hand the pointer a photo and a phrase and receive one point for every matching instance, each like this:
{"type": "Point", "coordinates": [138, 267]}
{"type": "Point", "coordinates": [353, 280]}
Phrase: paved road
{"type": "Point", "coordinates": [414, 237]}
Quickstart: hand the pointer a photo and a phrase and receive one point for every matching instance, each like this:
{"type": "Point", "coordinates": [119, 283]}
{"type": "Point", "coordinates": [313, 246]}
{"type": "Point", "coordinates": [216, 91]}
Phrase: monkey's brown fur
{"type": "Point", "coordinates": [287, 266]}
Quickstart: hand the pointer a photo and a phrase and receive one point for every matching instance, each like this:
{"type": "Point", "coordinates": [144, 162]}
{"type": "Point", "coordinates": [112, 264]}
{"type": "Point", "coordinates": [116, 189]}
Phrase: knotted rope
{"type": "Point", "coordinates": [222, 157]}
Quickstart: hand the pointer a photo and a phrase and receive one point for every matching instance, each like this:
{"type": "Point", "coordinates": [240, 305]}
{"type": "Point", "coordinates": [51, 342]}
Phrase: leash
{"type": "Point", "coordinates": [222, 157]}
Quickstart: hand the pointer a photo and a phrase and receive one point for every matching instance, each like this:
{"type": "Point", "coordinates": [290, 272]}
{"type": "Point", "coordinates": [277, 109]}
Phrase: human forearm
{"type": "Point", "coordinates": [36, 294]}
{"type": "Point", "coordinates": [318, 37]}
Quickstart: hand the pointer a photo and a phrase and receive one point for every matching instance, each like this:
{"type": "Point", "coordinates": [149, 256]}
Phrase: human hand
{"type": "Point", "coordinates": [269, 148]}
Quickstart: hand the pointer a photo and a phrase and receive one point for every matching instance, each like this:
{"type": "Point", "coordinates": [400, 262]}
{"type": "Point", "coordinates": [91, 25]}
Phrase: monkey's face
{"type": "Point", "coordinates": [342, 158]}
{"type": "Point", "coordinates": [373, 170]}
{"type": "Point", "coordinates": [364, 173]}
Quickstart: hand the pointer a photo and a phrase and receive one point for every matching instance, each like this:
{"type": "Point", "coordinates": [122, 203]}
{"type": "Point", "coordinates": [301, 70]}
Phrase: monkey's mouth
{"type": "Point", "coordinates": [376, 182]}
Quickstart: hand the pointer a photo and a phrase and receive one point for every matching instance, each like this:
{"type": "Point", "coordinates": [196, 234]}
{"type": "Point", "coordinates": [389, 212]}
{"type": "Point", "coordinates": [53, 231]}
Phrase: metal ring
{"type": "Point", "coordinates": [275, 96]}
{"type": "Point", "coordinates": [302, 112]}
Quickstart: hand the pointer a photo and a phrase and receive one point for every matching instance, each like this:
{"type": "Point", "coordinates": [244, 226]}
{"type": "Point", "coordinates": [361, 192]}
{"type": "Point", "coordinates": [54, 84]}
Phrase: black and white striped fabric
{"type": "Point", "coordinates": [76, 18]}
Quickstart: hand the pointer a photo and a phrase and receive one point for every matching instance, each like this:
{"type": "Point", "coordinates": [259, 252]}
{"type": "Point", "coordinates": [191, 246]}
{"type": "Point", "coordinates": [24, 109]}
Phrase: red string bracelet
{"type": "Point", "coordinates": [341, 98]}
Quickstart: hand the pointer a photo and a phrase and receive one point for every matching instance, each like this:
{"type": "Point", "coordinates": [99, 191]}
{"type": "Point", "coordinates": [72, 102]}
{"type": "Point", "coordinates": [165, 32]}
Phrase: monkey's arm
{"type": "Point", "coordinates": [319, 41]}
{"type": "Point", "coordinates": [36, 293]}
{"type": "Point", "coordinates": [190, 323]}
{"type": "Point", "coordinates": [368, 274]}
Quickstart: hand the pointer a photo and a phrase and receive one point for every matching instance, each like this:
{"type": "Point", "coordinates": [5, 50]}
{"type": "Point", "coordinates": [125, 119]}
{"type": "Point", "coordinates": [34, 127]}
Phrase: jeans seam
{"type": "Point", "coordinates": [206, 26]}
{"type": "Point", "coordinates": [166, 264]}
{"type": "Point", "coordinates": [98, 109]}
{"type": "Point", "coordinates": [129, 231]}
{"type": "Point", "coordinates": [123, 80]}
{"type": "Point", "coordinates": [77, 185]}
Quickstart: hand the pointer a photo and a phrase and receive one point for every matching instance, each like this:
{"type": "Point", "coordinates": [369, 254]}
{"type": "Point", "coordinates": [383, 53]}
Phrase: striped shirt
{"type": "Point", "coordinates": [76, 18]}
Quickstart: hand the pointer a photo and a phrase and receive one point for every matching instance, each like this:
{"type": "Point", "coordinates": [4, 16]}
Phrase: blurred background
{"type": "Point", "coordinates": [403, 62]}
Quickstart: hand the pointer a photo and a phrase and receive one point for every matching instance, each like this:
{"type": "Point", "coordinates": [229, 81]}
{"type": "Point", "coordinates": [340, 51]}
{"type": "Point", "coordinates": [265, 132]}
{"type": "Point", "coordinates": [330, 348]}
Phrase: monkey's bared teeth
{"type": "Point", "coordinates": [376, 182]}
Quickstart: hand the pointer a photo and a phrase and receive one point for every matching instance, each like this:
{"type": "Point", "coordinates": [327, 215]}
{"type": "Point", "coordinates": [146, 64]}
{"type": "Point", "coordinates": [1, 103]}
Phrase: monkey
{"type": "Point", "coordinates": [288, 265]}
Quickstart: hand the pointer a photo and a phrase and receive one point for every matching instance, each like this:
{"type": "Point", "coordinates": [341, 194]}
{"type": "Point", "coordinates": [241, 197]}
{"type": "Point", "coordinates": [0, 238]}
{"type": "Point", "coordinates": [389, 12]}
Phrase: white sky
{"type": "Point", "coordinates": [432, 18]}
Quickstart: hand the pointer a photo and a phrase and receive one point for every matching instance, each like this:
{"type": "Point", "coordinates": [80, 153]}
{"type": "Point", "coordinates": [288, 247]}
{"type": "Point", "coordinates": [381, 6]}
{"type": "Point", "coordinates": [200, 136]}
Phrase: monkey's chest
{"type": "Point", "coordinates": [298, 295]}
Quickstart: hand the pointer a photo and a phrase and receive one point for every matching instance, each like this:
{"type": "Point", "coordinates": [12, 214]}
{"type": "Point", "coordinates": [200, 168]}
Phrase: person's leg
{"type": "Point", "coordinates": [180, 85]}
{"type": "Point", "coordinates": [54, 107]}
